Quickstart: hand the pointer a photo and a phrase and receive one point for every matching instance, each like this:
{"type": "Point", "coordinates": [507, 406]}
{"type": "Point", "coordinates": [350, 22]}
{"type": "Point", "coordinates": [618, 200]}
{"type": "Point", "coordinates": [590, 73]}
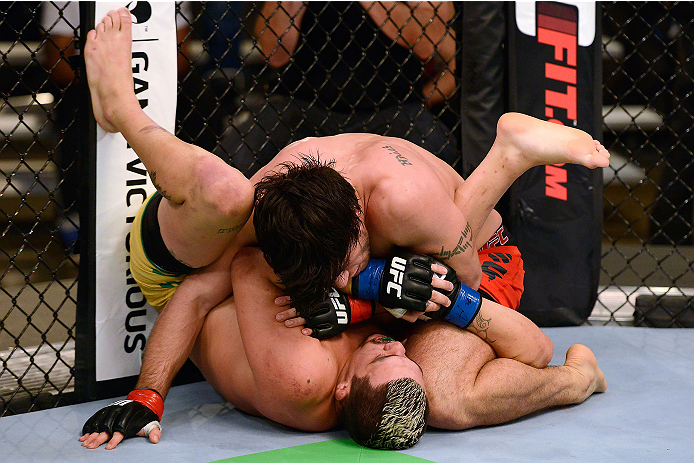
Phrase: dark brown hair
{"type": "Point", "coordinates": [306, 220]}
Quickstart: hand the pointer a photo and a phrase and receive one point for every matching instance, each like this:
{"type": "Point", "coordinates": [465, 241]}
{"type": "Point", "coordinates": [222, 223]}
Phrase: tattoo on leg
{"type": "Point", "coordinates": [161, 191]}
{"type": "Point", "coordinates": [230, 230]}
{"type": "Point", "coordinates": [481, 325]}
{"type": "Point", "coordinates": [152, 128]}
{"type": "Point", "coordinates": [464, 243]}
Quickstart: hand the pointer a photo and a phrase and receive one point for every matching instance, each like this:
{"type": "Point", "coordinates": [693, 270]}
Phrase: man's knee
{"type": "Point", "coordinates": [222, 188]}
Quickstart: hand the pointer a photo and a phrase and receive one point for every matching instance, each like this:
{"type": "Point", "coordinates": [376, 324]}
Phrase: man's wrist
{"type": "Point", "coordinates": [150, 399]}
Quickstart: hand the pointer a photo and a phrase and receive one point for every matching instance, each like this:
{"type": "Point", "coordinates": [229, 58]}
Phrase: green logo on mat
{"type": "Point", "coordinates": [339, 451]}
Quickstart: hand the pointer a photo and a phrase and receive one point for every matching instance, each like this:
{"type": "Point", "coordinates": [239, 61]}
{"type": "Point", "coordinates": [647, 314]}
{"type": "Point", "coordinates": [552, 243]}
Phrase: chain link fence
{"type": "Point", "coordinates": [648, 111]}
{"type": "Point", "coordinates": [38, 214]}
{"type": "Point", "coordinates": [353, 69]}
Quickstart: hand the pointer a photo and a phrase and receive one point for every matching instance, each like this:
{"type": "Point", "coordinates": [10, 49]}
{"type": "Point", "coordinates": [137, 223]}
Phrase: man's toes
{"type": "Point", "coordinates": [108, 21]}
{"type": "Point", "coordinates": [124, 12]}
{"type": "Point", "coordinates": [114, 17]}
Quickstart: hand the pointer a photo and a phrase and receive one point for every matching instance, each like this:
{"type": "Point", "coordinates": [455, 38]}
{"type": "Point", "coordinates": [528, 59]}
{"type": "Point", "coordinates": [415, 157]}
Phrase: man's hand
{"type": "Point", "coordinates": [405, 281]}
{"type": "Point", "coordinates": [330, 318]}
{"type": "Point", "coordinates": [138, 415]}
{"type": "Point", "coordinates": [419, 270]}
{"type": "Point", "coordinates": [335, 315]}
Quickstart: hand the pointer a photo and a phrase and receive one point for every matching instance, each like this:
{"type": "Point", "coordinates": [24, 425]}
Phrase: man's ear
{"type": "Point", "coordinates": [341, 391]}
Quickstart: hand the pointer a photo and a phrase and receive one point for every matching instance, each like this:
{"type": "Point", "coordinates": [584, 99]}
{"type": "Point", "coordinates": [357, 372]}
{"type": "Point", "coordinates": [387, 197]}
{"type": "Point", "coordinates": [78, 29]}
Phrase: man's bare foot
{"type": "Point", "coordinates": [108, 58]}
{"type": "Point", "coordinates": [581, 361]}
{"type": "Point", "coordinates": [527, 142]}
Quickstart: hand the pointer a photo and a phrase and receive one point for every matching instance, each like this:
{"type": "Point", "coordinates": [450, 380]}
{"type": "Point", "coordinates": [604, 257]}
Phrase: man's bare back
{"type": "Point", "coordinates": [411, 199]}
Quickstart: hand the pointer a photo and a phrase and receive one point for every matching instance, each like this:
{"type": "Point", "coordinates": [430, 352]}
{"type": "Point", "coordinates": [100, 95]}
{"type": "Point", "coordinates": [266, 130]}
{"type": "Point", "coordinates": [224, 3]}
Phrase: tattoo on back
{"type": "Point", "coordinates": [400, 158]}
{"type": "Point", "coordinates": [464, 243]}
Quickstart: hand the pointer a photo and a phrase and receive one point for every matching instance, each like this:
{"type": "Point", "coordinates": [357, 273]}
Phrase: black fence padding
{"type": "Point", "coordinates": [556, 210]}
{"type": "Point", "coordinates": [558, 243]}
{"type": "Point", "coordinates": [664, 311]}
{"type": "Point", "coordinates": [483, 90]}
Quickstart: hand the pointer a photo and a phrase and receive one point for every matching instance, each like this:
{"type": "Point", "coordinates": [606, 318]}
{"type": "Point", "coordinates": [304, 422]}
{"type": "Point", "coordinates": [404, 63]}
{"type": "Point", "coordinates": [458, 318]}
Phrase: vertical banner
{"type": "Point", "coordinates": [123, 318]}
{"type": "Point", "coordinates": [554, 74]}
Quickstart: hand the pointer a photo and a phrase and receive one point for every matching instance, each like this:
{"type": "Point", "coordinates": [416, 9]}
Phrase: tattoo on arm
{"type": "Point", "coordinates": [464, 243]}
{"type": "Point", "coordinates": [400, 158]}
{"type": "Point", "coordinates": [480, 326]}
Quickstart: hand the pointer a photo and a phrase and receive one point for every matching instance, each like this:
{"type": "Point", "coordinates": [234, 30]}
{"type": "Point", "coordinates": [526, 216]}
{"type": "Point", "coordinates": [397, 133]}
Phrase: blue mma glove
{"type": "Point", "coordinates": [403, 281]}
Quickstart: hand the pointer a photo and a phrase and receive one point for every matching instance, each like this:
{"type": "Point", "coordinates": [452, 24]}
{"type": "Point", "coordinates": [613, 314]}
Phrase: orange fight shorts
{"type": "Point", "coordinates": [502, 271]}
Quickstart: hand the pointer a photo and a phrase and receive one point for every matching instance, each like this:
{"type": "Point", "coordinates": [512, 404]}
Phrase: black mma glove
{"type": "Point", "coordinates": [403, 281]}
{"type": "Point", "coordinates": [141, 409]}
{"type": "Point", "coordinates": [334, 316]}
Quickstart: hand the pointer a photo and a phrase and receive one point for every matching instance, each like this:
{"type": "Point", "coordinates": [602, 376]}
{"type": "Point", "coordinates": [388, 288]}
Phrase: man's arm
{"type": "Point", "coordinates": [415, 213]}
{"type": "Point", "coordinates": [173, 336]}
{"type": "Point", "coordinates": [512, 335]}
{"type": "Point", "coordinates": [277, 30]}
{"type": "Point", "coordinates": [293, 375]}
{"type": "Point", "coordinates": [178, 325]}
{"type": "Point", "coordinates": [422, 27]}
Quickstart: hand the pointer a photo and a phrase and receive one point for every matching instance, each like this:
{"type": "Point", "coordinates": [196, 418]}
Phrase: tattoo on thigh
{"type": "Point", "coordinates": [401, 158]}
{"type": "Point", "coordinates": [229, 230]}
{"type": "Point", "coordinates": [464, 243]}
{"type": "Point", "coordinates": [481, 326]}
{"type": "Point", "coordinates": [161, 191]}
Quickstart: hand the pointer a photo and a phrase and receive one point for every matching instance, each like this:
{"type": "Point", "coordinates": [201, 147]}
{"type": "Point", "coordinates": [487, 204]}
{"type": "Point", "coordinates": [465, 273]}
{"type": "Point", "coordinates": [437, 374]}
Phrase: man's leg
{"type": "Point", "coordinates": [207, 201]}
{"type": "Point", "coordinates": [468, 386]}
{"type": "Point", "coordinates": [521, 142]}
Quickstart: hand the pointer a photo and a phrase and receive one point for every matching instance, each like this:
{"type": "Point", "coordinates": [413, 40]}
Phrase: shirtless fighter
{"type": "Point", "coordinates": [107, 56]}
{"type": "Point", "coordinates": [268, 370]}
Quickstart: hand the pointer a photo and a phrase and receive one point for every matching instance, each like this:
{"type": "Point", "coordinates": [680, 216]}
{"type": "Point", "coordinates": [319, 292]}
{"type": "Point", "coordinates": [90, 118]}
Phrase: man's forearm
{"type": "Point", "coordinates": [175, 331]}
{"type": "Point", "coordinates": [512, 335]}
{"type": "Point", "coordinates": [168, 347]}
{"type": "Point", "coordinates": [277, 30]}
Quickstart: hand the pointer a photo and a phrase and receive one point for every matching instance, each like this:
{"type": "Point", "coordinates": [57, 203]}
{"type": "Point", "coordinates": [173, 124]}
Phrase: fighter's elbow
{"type": "Point", "coordinates": [472, 276]}
{"type": "Point", "coordinates": [544, 352]}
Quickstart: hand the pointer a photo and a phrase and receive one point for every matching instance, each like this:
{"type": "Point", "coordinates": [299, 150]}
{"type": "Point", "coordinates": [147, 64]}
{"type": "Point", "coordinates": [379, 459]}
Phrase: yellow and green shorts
{"type": "Point", "coordinates": [155, 270]}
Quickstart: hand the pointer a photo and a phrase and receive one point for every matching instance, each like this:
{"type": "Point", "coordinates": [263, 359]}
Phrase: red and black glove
{"type": "Point", "coordinates": [142, 408]}
{"type": "Point", "coordinates": [335, 315]}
